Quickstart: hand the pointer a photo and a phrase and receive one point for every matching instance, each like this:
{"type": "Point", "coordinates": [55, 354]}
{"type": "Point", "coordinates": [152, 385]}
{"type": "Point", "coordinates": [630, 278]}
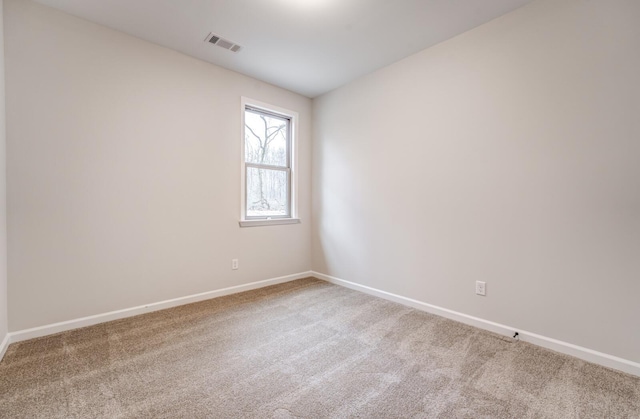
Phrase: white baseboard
{"type": "Point", "coordinates": [4, 345]}
{"type": "Point", "coordinates": [585, 354]}
{"type": "Point", "coordinates": [51, 329]}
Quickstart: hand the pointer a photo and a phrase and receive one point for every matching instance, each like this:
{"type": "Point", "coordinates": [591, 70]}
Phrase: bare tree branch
{"type": "Point", "coordinates": [254, 134]}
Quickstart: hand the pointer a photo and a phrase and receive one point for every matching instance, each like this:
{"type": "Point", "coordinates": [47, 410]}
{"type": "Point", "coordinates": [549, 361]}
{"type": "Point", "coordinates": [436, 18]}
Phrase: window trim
{"type": "Point", "coordinates": [292, 116]}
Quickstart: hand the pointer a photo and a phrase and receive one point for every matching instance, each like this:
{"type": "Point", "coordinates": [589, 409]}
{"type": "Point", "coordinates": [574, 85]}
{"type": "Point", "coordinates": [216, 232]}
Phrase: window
{"type": "Point", "coordinates": [268, 165]}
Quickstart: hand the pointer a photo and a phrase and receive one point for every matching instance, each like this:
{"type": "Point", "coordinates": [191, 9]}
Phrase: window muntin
{"type": "Point", "coordinates": [267, 164]}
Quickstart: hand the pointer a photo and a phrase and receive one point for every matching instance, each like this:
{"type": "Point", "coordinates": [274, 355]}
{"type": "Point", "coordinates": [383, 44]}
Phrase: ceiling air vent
{"type": "Point", "coordinates": [222, 43]}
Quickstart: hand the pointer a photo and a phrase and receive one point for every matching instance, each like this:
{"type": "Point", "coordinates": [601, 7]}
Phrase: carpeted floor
{"type": "Point", "coordinates": [302, 349]}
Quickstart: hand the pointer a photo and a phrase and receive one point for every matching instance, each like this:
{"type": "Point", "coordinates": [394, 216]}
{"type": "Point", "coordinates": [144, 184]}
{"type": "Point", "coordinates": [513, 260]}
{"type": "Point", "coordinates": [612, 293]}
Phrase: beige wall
{"type": "Point", "coordinates": [124, 172]}
{"type": "Point", "coordinates": [511, 155]}
{"type": "Point", "coordinates": [3, 192]}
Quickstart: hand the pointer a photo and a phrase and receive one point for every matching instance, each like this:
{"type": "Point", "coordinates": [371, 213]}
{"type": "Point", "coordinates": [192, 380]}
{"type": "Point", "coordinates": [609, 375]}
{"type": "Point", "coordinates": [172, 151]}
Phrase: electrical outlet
{"type": "Point", "coordinates": [234, 264]}
{"type": "Point", "coordinates": [481, 288]}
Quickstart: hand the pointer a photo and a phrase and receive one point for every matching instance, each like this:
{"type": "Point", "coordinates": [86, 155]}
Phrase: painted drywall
{"type": "Point", "coordinates": [4, 325]}
{"type": "Point", "coordinates": [124, 172]}
{"type": "Point", "coordinates": [510, 155]}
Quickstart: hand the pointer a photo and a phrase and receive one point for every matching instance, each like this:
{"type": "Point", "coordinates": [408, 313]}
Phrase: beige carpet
{"type": "Point", "coordinates": [303, 349]}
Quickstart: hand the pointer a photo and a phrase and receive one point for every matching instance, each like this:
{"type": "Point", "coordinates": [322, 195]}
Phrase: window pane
{"type": "Point", "coordinates": [267, 193]}
{"type": "Point", "coordinates": [265, 139]}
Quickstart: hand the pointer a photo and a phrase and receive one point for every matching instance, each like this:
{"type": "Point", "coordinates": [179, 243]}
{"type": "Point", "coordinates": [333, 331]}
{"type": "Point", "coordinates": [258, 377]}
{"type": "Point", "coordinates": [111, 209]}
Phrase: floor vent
{"type": "Point", "coordinates": [222, 43]}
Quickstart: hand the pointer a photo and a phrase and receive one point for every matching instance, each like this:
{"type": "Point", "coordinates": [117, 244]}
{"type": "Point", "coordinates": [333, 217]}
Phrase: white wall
{"type": "Point", "coordinates": [124, 172]}
{"type": "Point", "coordinates": [509, 154]}
{"type": "Point", "coordinates": [3, 193]}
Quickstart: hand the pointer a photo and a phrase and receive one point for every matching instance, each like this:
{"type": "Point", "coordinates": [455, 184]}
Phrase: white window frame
{"type": "Point", "coordinates": [293, 165]}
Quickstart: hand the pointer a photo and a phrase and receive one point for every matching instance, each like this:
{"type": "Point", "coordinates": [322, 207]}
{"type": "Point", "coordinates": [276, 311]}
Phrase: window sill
{"type": "Point", "coordinates": [273, 221]}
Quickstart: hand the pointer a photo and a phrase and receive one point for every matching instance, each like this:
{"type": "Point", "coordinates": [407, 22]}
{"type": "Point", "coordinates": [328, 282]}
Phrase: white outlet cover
{"type": "Point", "coordinates": [481, 288]}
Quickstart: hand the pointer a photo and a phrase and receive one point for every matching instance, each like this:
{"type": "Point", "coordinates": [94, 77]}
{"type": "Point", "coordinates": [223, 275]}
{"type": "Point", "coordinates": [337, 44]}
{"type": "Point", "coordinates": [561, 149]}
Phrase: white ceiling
{"type": "Point", "coordinates": [307, 46]}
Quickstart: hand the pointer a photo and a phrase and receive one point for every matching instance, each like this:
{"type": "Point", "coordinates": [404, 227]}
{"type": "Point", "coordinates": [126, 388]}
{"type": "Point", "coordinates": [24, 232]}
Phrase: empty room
{"type": "Point", "coordinates": [319, 209]}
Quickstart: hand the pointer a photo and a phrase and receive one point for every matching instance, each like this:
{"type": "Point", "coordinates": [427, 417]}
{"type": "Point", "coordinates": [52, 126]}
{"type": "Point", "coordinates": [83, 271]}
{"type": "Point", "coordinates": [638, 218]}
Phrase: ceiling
{"type": "Point", "coordinates": [307, 46]}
